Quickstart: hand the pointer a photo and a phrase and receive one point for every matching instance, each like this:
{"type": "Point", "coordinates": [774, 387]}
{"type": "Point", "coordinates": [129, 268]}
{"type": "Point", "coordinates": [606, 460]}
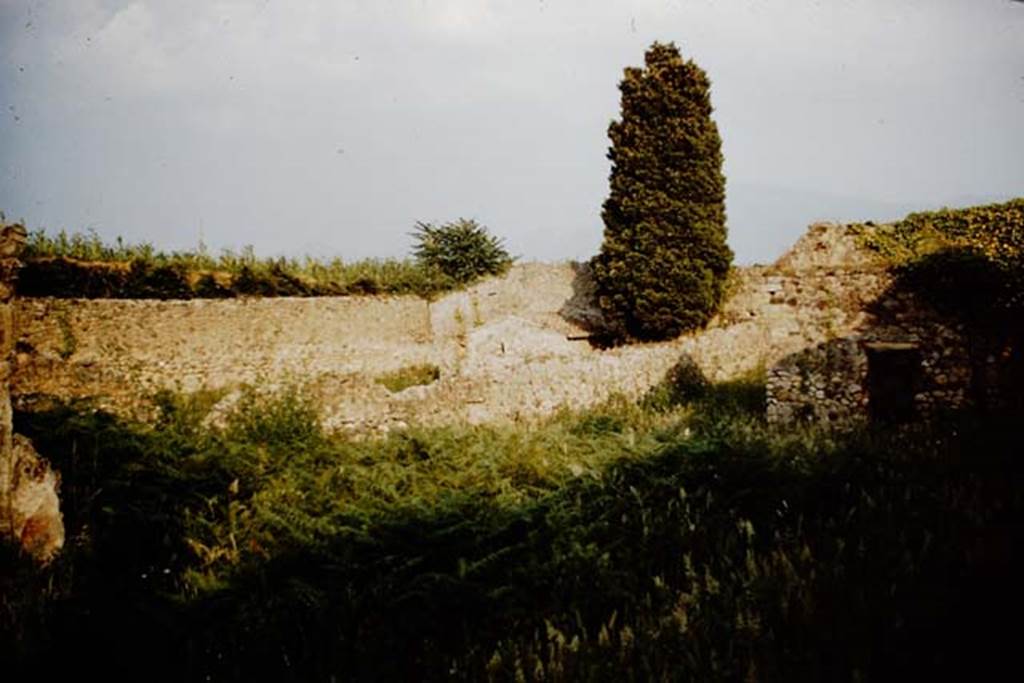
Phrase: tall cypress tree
{"type": "Point", "coordinates": [664, 260]}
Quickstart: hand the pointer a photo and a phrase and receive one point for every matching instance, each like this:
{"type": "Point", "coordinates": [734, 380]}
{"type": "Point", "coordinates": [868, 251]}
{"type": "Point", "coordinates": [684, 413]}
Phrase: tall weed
{"type": "Point", "coordinates": [694, 543]}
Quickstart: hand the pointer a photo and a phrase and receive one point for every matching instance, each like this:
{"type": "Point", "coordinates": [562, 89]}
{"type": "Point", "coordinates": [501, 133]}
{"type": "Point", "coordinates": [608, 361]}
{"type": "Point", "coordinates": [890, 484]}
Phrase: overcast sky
{"type": "Point", "coordinates": [329, 127]}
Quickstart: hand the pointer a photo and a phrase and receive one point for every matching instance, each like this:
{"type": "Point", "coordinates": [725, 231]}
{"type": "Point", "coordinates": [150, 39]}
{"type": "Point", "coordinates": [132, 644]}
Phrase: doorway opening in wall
{"type": "Point", "coordinates": [893, 374]}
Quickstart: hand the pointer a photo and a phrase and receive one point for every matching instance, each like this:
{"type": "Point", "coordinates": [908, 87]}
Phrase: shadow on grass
{"type": "Point", "coordinates": [686, 385]}
{"type": "Point", "coordinates": [708, 559]}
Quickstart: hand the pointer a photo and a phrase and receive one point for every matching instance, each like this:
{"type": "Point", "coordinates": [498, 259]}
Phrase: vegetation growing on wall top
{"type": "Point", "coordinates": [462, 250]}
{"type": "Point", "coordinates": [81, 265]}
{"type": "Point", "coordinates": [968, 262]}
{"type": "Point", "coordinates": [995, 231]}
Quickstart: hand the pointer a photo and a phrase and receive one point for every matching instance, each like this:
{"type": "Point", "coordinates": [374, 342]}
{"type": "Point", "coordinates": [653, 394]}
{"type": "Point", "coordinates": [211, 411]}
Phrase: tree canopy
{"type": "Point", "coordinates": [664, 260]}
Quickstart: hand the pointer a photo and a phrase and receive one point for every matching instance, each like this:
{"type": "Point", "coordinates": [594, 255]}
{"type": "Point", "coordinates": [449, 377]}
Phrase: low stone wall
{"type": "Point", "coordinates": [503, 349]}
{"type": "Point", "coordinates": [81, 346]}
{"type": "Point", "coordinates": [829, 381]}
{"type": "Point", "coordinates": [508, 348]}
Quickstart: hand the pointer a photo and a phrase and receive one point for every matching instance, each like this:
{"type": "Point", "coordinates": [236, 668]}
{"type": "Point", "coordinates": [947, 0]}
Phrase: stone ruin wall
{"type": "Point", "coordinates": [507, 348]}
{"type": "Point", "coordinates": [828, 381]}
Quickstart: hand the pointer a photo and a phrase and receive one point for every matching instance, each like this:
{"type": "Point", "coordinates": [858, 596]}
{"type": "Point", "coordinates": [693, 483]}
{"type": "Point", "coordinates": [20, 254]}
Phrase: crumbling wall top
{"type": "Point", "coordinates": [829, 246]}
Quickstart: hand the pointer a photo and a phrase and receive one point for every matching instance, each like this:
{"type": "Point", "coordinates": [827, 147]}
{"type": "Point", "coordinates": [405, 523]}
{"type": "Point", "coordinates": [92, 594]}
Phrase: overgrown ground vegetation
{"type": "Point", "coordinates": [672, 538]}
{"type": "Point", "coordinates": [81, 265]}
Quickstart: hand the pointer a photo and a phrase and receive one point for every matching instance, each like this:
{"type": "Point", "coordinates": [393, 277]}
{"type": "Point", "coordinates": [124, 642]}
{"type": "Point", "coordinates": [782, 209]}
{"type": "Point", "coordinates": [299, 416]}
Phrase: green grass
{"type": "Point", "coordinates": [409, 376]}
{"type": "Point", "coordinates": [684, 540]}
{"type": "Point", "coordinates": [81, 265]}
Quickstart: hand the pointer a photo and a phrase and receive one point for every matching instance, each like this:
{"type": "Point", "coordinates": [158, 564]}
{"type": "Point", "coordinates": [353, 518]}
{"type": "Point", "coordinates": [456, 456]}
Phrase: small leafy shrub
{"type": "Point", "coordinates": [687, 380]}
{"type": "Point", "coordinates": [462, 250]}
{"type": "Point", "coordinates": [287, 418]}
{"type": "Point", "coordinates": [409, 376]}
{"type": "Point", "coordinates": [683, 383]}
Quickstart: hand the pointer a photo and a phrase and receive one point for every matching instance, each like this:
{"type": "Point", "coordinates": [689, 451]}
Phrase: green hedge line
{"type": "Point", "coordinates": [79, 265]}
{"type": "Point", "coordinates": [68, 278]}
